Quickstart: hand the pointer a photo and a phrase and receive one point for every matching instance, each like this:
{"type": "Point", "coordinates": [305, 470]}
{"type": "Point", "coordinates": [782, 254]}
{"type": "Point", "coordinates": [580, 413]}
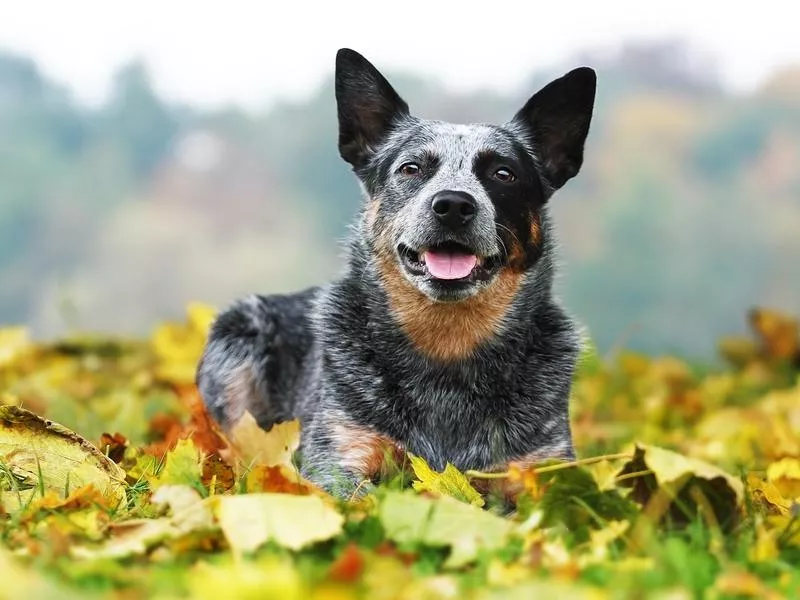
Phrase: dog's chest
{"type": "Point", "coordinates": [465, 426]}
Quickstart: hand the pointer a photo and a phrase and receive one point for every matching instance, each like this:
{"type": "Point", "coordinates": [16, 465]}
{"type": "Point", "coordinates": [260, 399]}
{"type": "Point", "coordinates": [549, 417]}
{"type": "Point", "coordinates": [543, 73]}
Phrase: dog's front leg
{"type": "Point", "coordinates": [345, 458]}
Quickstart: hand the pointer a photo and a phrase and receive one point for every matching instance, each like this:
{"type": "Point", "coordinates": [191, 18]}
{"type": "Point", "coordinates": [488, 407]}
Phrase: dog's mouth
{"type": "Point", "coordinates": [448, 262]}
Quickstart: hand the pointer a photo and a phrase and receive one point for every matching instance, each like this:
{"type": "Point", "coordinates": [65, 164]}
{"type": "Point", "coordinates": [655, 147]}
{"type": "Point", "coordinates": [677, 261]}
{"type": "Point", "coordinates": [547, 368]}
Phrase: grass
{"type": "Point", "coordinates": [609, 525]}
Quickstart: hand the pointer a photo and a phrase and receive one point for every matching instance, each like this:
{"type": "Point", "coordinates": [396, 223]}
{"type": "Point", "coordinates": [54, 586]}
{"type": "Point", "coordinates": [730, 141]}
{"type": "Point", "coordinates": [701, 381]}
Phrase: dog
{"type": "Point", "coordinates": [442, 337]}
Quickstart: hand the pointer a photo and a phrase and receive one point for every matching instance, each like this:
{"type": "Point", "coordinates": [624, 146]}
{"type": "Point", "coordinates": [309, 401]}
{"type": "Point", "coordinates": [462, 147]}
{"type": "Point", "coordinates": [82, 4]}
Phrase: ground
{"type": "Point", "coordinates": [115, 484]}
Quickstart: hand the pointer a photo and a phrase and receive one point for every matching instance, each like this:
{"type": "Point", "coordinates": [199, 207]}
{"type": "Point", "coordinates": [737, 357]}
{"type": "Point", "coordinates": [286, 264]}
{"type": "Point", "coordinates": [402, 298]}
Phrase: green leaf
{"type": "Point", "coordinates": [443, 522]}
{"type": "Point", "coordinates": [450, 482]}
{"type": "Point", "coordinates": [183, 466]}
{"type": "Point", "coordinates": [574, 500]}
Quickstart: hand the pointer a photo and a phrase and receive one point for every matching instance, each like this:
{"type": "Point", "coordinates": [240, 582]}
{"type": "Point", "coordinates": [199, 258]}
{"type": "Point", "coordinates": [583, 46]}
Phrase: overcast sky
{"type": "Point", "coordinates": [253, 52]}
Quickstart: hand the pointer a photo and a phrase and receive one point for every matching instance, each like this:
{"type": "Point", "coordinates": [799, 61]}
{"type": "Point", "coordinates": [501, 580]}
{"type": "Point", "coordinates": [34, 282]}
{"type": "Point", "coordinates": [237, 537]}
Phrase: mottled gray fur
{"type": "Point", "coordinates": [337, 357]}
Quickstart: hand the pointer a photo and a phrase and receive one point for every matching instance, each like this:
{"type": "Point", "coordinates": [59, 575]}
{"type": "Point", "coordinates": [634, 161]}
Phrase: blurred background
{"type": "Point", "coordinates": [157, 153]}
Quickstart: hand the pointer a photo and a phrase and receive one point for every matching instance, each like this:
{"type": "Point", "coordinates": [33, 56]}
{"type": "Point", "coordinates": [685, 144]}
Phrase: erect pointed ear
{"type": "Point", "coordinates": [367, 104]}
{"type": "Point", "coordinates": [556, 121]}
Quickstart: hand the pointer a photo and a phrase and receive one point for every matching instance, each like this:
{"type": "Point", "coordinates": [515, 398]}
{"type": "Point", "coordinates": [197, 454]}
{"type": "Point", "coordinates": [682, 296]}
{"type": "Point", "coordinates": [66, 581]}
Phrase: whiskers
{"type": "Point", "coordinates": [499, 239]}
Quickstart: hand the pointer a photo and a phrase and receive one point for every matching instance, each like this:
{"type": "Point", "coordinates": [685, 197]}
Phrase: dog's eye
{"type": "Point", "coordinates": [504, 175]}
{"type": "Point", "coordinates": [411, 169]}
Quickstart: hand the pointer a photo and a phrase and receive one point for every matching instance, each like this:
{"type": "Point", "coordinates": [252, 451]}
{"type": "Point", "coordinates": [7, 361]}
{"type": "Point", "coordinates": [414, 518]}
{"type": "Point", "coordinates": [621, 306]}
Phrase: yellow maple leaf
{"type": "Point", "coordinates": [450, 482]}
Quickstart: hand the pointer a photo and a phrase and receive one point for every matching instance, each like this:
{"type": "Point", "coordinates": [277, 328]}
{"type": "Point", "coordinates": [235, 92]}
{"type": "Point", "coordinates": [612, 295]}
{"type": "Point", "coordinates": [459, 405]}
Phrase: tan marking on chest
{"type": "Point", "coordinates": [443, 330]}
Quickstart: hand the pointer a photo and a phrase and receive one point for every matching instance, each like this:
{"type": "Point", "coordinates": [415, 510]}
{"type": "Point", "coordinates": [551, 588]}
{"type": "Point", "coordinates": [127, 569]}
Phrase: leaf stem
{"type": "Point", "coordinates": [547, 469]}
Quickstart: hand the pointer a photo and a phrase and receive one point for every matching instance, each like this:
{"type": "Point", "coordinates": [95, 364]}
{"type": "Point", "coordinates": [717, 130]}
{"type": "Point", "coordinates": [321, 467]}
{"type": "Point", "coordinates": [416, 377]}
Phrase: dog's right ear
{"type": "Point", "coordinates": [367, 105]}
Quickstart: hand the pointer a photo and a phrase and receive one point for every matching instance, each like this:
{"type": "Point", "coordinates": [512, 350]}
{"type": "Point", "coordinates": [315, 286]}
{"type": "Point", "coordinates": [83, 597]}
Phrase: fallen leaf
{"type": "Point", "coordinates": [348, 566]}
{"type": "Point", "coordinates": [444, 521]}
{"type": "Point", "coordinates": [19, 583]}
{"type": "Point", "coordinates": [182, 467]}
{"type": "Point", "coordinates": [669, 479]}
{"type": "Point", "coordinates": [46, 456]}
{"type": "Point", "coordinates": [251, 445]}
{"type": "Point", "coordinates": [251, 520]}
{"type": "Point", "coordinates": [785, 476]}
{"type": "Point", "coordinates": [179, 346]}
{"type": "Point", "coordinates": [450, 482]}
{"type": "Point", "coordinates": [113, 446]}
{"type": "Point", "coordinates": [271, 577]}
{"type": "Point", "coordinates": [190, 515]}
{"type": "Point", "coordinates": [277, 479]}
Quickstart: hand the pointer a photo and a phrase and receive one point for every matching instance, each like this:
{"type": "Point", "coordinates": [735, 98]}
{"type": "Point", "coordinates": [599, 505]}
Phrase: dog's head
{"type": "Point", "coordinates": [453, 206]}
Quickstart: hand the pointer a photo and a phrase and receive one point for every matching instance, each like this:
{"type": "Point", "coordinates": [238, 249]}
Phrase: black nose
{"type": "Point", "coordinates": [454, 209]}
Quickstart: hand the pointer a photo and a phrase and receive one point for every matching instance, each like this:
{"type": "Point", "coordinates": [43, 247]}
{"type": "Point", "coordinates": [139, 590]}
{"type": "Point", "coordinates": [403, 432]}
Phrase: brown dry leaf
{"type": "Point", "coordinates": [277, 479]}
{"type": "Point", "coordinates": [217, 475]}
{"type": "Point", "coordinates": [349, 565]}
{"type": "Point", "coordinates": [251, 445]}
{"type": "Point", "coordinates": [46, 456]}
{"type": "Point", "coordinates": [113, 446]}
{"type": "Point", "coordinates": [168, 429]}
{"type": "Point", "coordinates": [204, 432]}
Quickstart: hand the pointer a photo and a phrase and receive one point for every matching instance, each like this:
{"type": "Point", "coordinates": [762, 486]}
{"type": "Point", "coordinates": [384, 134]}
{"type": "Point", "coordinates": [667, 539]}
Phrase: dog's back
{"type": "Point", "coordinates": [257, 352]}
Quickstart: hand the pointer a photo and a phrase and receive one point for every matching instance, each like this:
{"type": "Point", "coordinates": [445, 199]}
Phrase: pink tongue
{"type": "Point", "coordinates": [448, 265]}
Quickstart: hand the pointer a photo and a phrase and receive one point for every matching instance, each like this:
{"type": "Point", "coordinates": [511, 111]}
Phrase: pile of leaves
{"type": "Point", "coordinates": [114, 483]}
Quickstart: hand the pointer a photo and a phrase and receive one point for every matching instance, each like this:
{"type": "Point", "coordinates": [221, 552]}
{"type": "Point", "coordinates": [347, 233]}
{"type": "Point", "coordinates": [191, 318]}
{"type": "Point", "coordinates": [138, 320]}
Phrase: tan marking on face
{"type": "Point", "coordinates": [371, 212]}
{"type": "Point", "coordinates": [364, 451]}
{"type": "Point", "coordinates": [536, 230]}
{"type": "Point", "coordinates": [447, 331]}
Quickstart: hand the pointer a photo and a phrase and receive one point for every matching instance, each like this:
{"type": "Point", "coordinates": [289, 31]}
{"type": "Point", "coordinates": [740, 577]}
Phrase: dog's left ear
{"type": "Point", "coordinates": [368, 106]}
{"type": "Point", "coordinates": [556, 121]}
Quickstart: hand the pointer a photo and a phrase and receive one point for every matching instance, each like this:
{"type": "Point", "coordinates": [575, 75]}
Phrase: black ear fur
{"type": "Point", "coordinates": [557, 119]}
{"type": "Point", "coordinates": [367, 106]}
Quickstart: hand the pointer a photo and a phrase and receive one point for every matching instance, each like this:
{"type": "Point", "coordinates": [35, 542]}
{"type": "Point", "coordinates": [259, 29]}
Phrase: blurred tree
{"type": "Point", "coordinates": [137, 119]}
{"type": "Point", "coordinates": [686, 210]}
